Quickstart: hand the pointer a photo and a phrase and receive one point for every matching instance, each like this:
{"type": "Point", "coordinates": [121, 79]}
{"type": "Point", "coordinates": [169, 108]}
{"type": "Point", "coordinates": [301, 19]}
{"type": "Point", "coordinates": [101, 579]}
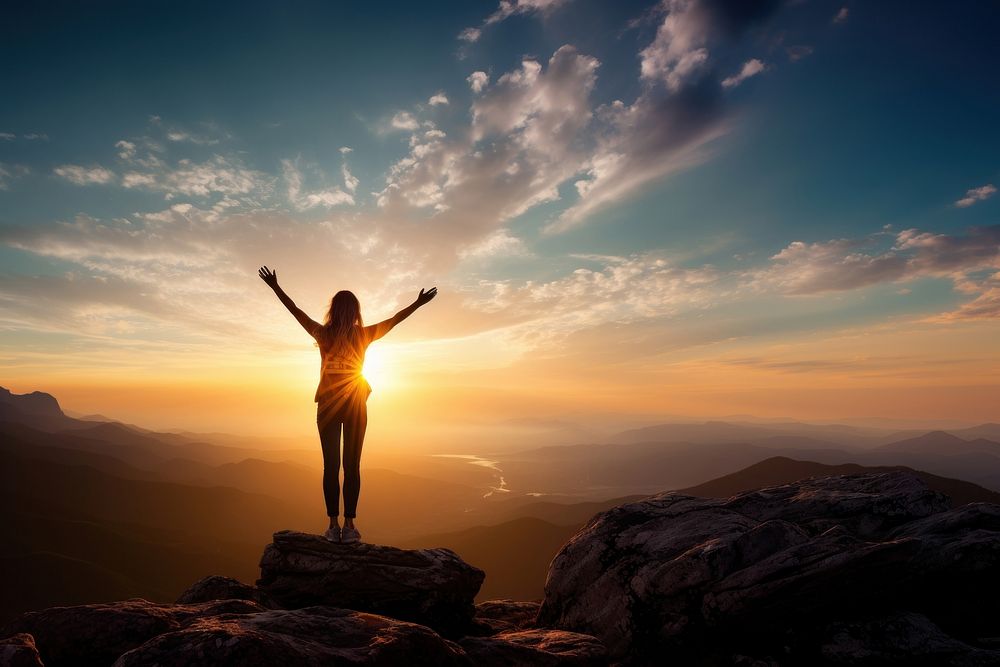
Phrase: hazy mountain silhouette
{"type": "Point", "coordinates": [782, 470]}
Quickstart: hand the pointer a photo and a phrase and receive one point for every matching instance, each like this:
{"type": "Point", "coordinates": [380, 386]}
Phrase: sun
{"type": "Point", "coordinates": [376, 368]}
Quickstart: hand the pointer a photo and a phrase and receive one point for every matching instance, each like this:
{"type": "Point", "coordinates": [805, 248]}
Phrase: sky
{"type": "Point", "coordinates": [633, 211]}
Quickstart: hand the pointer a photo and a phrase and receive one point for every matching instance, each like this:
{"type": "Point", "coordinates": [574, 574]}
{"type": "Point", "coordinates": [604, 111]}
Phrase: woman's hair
{"type": "Point", "coordinates": [343, 320]}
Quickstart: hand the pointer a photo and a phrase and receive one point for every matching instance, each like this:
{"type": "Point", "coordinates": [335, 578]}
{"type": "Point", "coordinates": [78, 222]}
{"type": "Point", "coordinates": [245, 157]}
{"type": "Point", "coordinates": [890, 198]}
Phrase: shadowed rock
{"type": "Point", "coordinates": [506, 615]}
{"type": "Point", "coordinates": [216, 587]}
{"type": "Point", "coordinates": [311, 637]}
{"type": "Point", "coordinates": [693, 578]}
{"type": "Point", "coordinates": [905, 638]}
{"type": "Point", "coordinates": [539, 648]}
{"type": "Point", "coordinates": [433, 587]}
{"type": "Point", "coordinates": [96, 634]}
{"type": "Point", "coordinates": [19, 651]}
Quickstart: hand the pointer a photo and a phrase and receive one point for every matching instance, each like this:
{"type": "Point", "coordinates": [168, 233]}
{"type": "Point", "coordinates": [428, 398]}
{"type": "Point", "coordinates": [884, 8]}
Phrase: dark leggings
{"type": "Point", "coordinates": [354, 422]}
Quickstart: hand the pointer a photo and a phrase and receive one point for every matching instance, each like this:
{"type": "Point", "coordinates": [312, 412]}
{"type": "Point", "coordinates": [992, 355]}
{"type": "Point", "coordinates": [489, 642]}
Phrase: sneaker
{"type": "Point", "coordinates": [350, 535]}
{"type": "Point", "coordinates": [332, 534]}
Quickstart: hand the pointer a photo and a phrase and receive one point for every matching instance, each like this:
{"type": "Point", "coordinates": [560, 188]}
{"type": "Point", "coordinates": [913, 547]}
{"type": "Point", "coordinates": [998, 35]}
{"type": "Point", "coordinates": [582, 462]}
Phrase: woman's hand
{"type": "Point", "coordinates": [270, 277]}
{"type": "Point", "coordinates": [424, 297]}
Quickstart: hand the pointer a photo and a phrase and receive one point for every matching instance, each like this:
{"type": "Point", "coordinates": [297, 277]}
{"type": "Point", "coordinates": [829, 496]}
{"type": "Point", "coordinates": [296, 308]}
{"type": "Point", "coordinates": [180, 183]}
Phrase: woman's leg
{"type": "Point", "coordinates": [354, 438]}
{"type": "Point", "coordinates": [329, 438]}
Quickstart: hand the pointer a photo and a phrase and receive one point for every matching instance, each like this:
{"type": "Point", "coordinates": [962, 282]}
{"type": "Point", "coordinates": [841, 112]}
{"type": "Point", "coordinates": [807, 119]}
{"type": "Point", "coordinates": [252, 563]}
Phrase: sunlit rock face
{"type": "Point", "coordinates": [433, 587]}
{"type": "Point", "coordinates": [779, 573]}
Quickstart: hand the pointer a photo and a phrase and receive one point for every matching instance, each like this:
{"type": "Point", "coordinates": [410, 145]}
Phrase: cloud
{"type": "Point", "coordinates": [847, 264]}
{"type": "Point", "coordinates": [7, 136]}
{"type": "Point", "coordinates": [217, 175]}
{"type": "Point", "coordinates": [344, 150]}
{"type": "Point", "coordinates": [798, 52]}
{"type": "Point", "coordinates": [478, 81]}
{"type": "Point", "coordinates": [404, 120]}
{"type": "Point", "coordinates": [841, 15]}
{"type": "Point", "coordinates": [79, 175]}
{"type": "Point", "coordinates": [305, 200]}
{"type": "Point", "coordinates": [36, 136]}
{"type": "Point", "coordinates": [438, 100]}
{"type": "Point", "coordinates": [498, 244]}
{"type": "Point", "coordinates": [750, 68]}
{"type": "Point", "coordinates": [470, 35]}
{"type": "Point", "coordinates": [508, 8]}
{"type": "Point", "coordinates": [974, 195]}
{"type": "Point", "coordinates": [10, 172]}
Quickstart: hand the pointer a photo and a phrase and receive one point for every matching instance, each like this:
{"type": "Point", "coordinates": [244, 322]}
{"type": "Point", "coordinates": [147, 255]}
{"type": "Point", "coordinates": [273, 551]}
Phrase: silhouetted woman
{"type": "Point", "coordinates": [342, 393]}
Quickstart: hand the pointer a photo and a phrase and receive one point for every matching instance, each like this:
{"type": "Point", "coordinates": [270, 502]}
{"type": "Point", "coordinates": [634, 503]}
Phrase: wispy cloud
{"type": "Point", "coordinates": [80, 175]}
{"type": "Point", "coordinates": [508, 8]}
{"type": "Point", "coordinates": [750, 68]}
{"type": "Point", "coordinates": [841, 15]}
{"type": "Point", "coordinates": [973, 195]}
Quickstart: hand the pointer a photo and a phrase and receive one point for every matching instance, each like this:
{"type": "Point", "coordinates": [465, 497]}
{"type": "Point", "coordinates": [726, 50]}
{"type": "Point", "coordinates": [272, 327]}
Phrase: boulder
{"type": "Point", "coordinates": [96, 634]}
{"type": "Point", "coordinates": [539, 648]}
{"type": "Point", "coordinates": [19, 651]}
{"type": "Point", "coordinates": [309, 637]}
{"type": "Point", "coordinates": [757, 575]}
{"type": "Point", "coordinates": [433, 587]}
{"type": "Point", "coordinates": [216, 587]}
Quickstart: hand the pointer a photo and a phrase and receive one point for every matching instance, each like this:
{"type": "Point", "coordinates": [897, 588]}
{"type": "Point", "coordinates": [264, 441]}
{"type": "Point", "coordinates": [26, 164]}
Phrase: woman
{"type": "Point", "coordinates": [342, 393]}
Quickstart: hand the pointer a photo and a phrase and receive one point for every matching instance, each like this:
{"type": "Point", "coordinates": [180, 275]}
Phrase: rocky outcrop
{"type": "Point", "coordinates": [310, 637]}
{"type": "Point", "coordinates": [761, 574]}
{"type": "Point", "coordinates": [433, 587]}
{"type": "Point", "coordinates": [216, 587]}
{"type": "Point", "coordinates": [96, 634]}
{"type": "Point", "coordinates": [19, 651]}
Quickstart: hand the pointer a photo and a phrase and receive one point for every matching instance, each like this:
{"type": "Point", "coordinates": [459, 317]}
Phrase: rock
{"type": "Point", "coordinates": [216, 587]}
{"type": "Point", "coordinates": [96, 634]}
{"type": "Point", "coordinates": [900, 639]}
{"type": "Point", "coordinates": [316, 636]}
{"type": "Point", "coordinates": [506, 615]}
{"type": "Point", "coordinates": [432, 587]}
{"type": "Point", "coordinates": [539, 648]}
{"type": "Point", "coordinates": [19, 651]}
{"type": "Point", "coordinates": [758, 574]}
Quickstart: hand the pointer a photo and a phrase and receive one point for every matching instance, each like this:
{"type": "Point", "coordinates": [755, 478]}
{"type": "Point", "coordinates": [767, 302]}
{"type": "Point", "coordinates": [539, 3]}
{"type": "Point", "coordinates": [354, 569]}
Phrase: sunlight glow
{"type": "Point", "coordinates": [377, 368]}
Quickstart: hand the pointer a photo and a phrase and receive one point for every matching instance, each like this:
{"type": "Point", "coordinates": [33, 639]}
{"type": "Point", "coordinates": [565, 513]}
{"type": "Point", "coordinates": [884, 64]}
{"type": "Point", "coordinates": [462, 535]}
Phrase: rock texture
{"type": "Point", "coordinates": [310, 637]}
{"type": "Point", "coordinates": [96, 634]}
{"type": "Point", "coordinates": [217, 587]}
{"type": "Point", "coordinates": [19, 651]}
{"type": "Point", "coordinates": [539, 648]}
{"type": "Point", "coordinates": [506, 615]}
{"type": "Point", "coordinates": [760, 575]}
{"type": "Point", "coordinates": [430, 586]}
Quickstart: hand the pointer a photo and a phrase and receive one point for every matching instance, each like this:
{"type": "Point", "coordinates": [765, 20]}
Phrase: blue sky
{"type": "Point", "coordinates": [711, 169]}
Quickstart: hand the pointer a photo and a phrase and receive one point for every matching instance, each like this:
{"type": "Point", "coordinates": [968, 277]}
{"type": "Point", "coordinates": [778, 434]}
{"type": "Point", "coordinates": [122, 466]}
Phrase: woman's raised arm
{"type": "Point", "coordinates": [271, 278]}
{"type": "Point", "coordinates": [376, 331]}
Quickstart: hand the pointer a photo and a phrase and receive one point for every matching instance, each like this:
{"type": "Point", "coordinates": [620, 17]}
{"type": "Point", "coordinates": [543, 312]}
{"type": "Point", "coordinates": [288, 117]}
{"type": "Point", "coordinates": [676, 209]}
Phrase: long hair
{"type": "Point", "coordinates": [343, 323]}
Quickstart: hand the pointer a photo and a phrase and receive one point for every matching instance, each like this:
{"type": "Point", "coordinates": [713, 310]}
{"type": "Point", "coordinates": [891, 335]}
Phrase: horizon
{"type": "Point", "coordinates": [634, 213]}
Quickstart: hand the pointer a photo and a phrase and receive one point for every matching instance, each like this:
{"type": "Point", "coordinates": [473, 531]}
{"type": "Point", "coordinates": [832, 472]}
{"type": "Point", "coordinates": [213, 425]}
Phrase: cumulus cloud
{"type": "Point", "coordinates": [404, 120]}
{"type": "Point", "coordinates": [304, 200]}
{"type": "Point", "coordinates": [973, 195]}
{"type": "Point", "coordinates": [79, 175]}
{"type": "Point", "coordinates": [478, 81]}
{"type": "Point", "coordinates": [438, 99]}
{"type": "Point", "coordinates": [750, 68]}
